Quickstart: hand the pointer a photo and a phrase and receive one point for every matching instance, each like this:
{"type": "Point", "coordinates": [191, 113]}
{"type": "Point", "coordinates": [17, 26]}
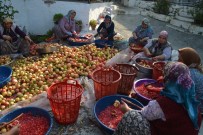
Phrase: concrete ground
{"type": "Point", "coordinates": [124, 24]}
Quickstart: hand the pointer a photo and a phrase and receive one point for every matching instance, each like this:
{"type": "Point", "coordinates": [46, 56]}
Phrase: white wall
{"type": "Point", "coordinates": [37, 16]}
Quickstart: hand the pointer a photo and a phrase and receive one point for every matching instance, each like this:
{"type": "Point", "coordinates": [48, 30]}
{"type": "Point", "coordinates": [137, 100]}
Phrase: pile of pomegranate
{"type": "Point", "coordinates": [32, 75]}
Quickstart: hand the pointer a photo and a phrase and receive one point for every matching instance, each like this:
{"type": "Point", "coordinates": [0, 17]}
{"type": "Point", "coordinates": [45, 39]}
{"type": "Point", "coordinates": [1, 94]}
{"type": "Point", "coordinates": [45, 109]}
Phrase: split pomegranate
{"type": "Point", "coordinates": [146, 63]}
{"type": "Point", "coordinates": [151, 93]}
{"type": "Point", "coordinates": [111, 116]}
{"type": "Point", "coordinates": [32, 125]}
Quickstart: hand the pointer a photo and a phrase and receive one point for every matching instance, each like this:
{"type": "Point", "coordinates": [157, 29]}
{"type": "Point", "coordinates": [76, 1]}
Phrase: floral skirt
{"type": "Point", "coordinates": [19, 46]}
{"type": "Point", "coordinates": [133, 123]}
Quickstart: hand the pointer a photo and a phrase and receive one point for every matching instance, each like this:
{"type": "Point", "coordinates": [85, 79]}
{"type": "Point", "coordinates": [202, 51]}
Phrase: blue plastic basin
{"type": "Point", "coordinates": [34, 110]}
{"type": "Point", "coordinates": [108, 101]}
{"type": "Point", "coordinates": [5, 75]}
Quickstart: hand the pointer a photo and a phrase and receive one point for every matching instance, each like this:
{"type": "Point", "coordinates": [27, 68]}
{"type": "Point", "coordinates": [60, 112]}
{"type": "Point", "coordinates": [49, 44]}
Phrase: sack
{"type": "Point", "coordinates": [121, 57]}
{"type": "Point", "coordinates": [88, 97]}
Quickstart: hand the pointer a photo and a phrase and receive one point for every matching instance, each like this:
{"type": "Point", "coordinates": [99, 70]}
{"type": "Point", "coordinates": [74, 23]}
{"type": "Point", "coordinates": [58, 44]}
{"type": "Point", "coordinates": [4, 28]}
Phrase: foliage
{"type": "Point", "coordinates": [41, 38]}
{"type": "Point", "coordinates": [57, 17]}
{"type": "Point", "coordinates": [78, 22]}
{"type": "Point", "coordinates": [6, 10]}
{"type": "Point", "coordinates": [197, 13]}
{"type": "Point", "coordinates": [93, 23]}
{"type": "Point", "coordinates": [162, 7]}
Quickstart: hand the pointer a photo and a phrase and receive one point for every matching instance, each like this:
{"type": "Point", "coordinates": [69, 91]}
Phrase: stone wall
{"type": "Point", "coordinates": [179, 16]}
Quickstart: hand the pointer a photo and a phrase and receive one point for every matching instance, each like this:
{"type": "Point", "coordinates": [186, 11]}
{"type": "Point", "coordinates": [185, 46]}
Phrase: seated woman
{"type": "Point", "coordinates": [66, 27]}
{"type": "Point", "coordinates": [157, 49]}
{"type": "Point", "coordinates": [192, 59]}
{"type": "Point", "coordinates": [106, 31]}
{"type": "Point", "coordinates": [141, 34]}
{"type": "Point", "coordinates": [174, 112]}
{"type": "Point", "coordinates": [9, 40]}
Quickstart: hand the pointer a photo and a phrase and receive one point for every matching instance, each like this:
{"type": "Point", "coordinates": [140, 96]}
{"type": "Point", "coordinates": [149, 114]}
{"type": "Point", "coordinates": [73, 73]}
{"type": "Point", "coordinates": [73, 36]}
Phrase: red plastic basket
{"type": "Point", "coordinates": [106, 82]}
{"type": "Point", "coordinates": [128, 73]}
{"type": "Point", "coordinates": [158, 68]}
{"type": "Point", "coordinates": [64, 98]}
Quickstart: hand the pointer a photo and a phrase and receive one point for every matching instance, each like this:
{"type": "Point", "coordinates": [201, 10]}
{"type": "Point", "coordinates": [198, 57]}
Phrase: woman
{"type": "Point", "coordinates": [174, 112]}
{"type": "Point", "coordinates": [66, 26]}
{"type": "Point", "coordinates": [106, 31]}
{"type": "Point", "coordinates": [157, 49]}
{"type": "Point", "coordinates": [141, 34]}
{"type": "Point", "coordinates": [9, 40]}
{"type": "Point", "coordinates": [192, 59]}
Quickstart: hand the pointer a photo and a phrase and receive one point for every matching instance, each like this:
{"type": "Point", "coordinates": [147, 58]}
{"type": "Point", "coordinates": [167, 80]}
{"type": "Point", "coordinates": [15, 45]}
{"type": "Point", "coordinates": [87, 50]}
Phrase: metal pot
{"type": "Point", "coordinates": [142, 69]}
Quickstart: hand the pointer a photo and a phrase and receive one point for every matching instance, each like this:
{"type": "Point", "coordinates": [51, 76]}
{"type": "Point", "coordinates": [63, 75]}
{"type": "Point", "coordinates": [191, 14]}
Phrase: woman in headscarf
{"type": "Point", "coordinates": [106, 31]}
{"type": "Point", "coordinates": [9, 40]}
{"type": "Point", "coordinates": [174, 112]}
{"type": "Point", "coordinates": [191, 58]}
{"type": "Point", "coordinates": [141, 34]}
{"type": "Point", "coordinates": [159, 49]}
{"type": "Point", "coordinates": [66, 26]}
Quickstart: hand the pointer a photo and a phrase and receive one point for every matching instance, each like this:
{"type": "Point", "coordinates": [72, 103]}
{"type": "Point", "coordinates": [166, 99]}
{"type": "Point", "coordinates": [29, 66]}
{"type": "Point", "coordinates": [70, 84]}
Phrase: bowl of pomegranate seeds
{"type": "Point", "coordinates": [108, 113]}
{"type": "Point", "coordinates": [31, 121]}
{"type": "Point", "coordinates": [147, 89]}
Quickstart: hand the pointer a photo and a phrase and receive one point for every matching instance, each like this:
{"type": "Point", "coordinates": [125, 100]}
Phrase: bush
{"type": "Point", "coordinates": [57, 18]}
{"type": "Point", "coordinates": [6, 10]}
{"type": "Point", "coordinates": [197, 13]}
{"type": "Point", "coordinates": [162, 7]}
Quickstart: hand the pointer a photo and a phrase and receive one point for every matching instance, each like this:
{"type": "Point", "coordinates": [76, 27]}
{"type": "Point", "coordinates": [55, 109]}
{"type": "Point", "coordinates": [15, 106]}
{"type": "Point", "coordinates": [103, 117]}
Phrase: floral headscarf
{"type": "Point", "coordinates": [179, 72]}
{"type": "Point", "coordinates": [180, 88]}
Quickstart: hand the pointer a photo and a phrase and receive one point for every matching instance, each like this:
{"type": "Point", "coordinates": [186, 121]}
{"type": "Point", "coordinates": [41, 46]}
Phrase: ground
{"type": "Point", "coordinates": [124, 24]}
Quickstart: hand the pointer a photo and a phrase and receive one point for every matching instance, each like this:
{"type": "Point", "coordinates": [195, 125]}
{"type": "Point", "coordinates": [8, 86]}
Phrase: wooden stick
{"type": "Point", "coordinates": [129, 102]}
{"type": "Point", "coordinates": [7, 123]}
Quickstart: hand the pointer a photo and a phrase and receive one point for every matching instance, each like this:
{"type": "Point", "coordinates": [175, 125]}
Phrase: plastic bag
{"type": "Point", "coordinates": [174, 55]}
{"type": "Point", "coordinates": [88, 97]}
{"type": "Point", "coordinates": [121, 57]}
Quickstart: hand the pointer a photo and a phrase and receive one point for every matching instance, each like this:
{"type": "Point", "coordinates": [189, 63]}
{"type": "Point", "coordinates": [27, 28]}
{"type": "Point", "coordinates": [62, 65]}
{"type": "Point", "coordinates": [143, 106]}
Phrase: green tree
{"type": "Point", "coordinates": [6, 10]}
{"type": "Point", "coordinates": [197, 13]}
{"type": "Point", "coordinates": [162, 7]}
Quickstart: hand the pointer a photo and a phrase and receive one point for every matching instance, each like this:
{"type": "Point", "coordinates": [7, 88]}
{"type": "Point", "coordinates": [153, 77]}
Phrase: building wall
{"type": "Point", "coordinates": [37, 16]}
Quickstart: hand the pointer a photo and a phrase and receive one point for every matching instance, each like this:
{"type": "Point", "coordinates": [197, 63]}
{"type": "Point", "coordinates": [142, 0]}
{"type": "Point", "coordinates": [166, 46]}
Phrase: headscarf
{"type": "Point", "coordinates": [164, 34]}
{"type": "Point", "coordinates": [108, 24]}
{"type": "Point", "coordinates": [69, 14]}
{"type": "Point", "coordinates": [7, 20]}
{"type": "Point", "coordinates": [180, 88]}
{"type": "Point", "coordinates": [191, 58]}
{"type": "Point", "coordinates": [146, 21]}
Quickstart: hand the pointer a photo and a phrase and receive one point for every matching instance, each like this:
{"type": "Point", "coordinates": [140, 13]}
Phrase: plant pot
{"type": "Point", "coordinates": [93, 27]}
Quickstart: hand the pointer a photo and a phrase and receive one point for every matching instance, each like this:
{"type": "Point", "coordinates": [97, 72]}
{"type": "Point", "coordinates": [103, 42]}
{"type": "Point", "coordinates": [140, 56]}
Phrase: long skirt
{"type": "Point", "coordinates": [19, 46]}
{"type": "Point", "coordinates": [133, 123]}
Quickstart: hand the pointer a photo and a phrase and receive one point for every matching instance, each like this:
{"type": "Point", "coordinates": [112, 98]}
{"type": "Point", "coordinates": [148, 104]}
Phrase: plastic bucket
{"type": "Point", "coordinates": [128, 73]}
{"type": "Point", "coordinates": [106, 82]}
{"type": "Point", "coordinates": [158, 68]}
{"type": "Point", "coordinates": [65, 99]}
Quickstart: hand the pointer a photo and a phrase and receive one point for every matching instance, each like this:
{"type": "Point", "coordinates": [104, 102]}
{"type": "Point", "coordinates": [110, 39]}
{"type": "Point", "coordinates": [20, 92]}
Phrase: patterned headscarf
{"type": "Point", "coordinates": [179, 72]}
{"type": "Point", "coordinates": [180, 88]}
{"type": "Point", "coordinates": [164, 34]}
{"type": "Point", "coordinates": [191, 58]}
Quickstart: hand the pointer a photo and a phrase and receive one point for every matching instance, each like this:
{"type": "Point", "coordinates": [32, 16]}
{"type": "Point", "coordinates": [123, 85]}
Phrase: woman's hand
{"type": "Point", "coordinates": [6, 37]}
{"type": "Point", "coordinates": [14, 131]}
{"type": "Point", "coordinates": [124, 107]}
{"type": "Point", "coordinates": [28, 39]}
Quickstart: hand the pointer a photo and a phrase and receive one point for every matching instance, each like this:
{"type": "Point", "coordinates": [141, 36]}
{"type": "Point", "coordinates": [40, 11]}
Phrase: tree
{"type": "Point", "coordinates": [6, 10]}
